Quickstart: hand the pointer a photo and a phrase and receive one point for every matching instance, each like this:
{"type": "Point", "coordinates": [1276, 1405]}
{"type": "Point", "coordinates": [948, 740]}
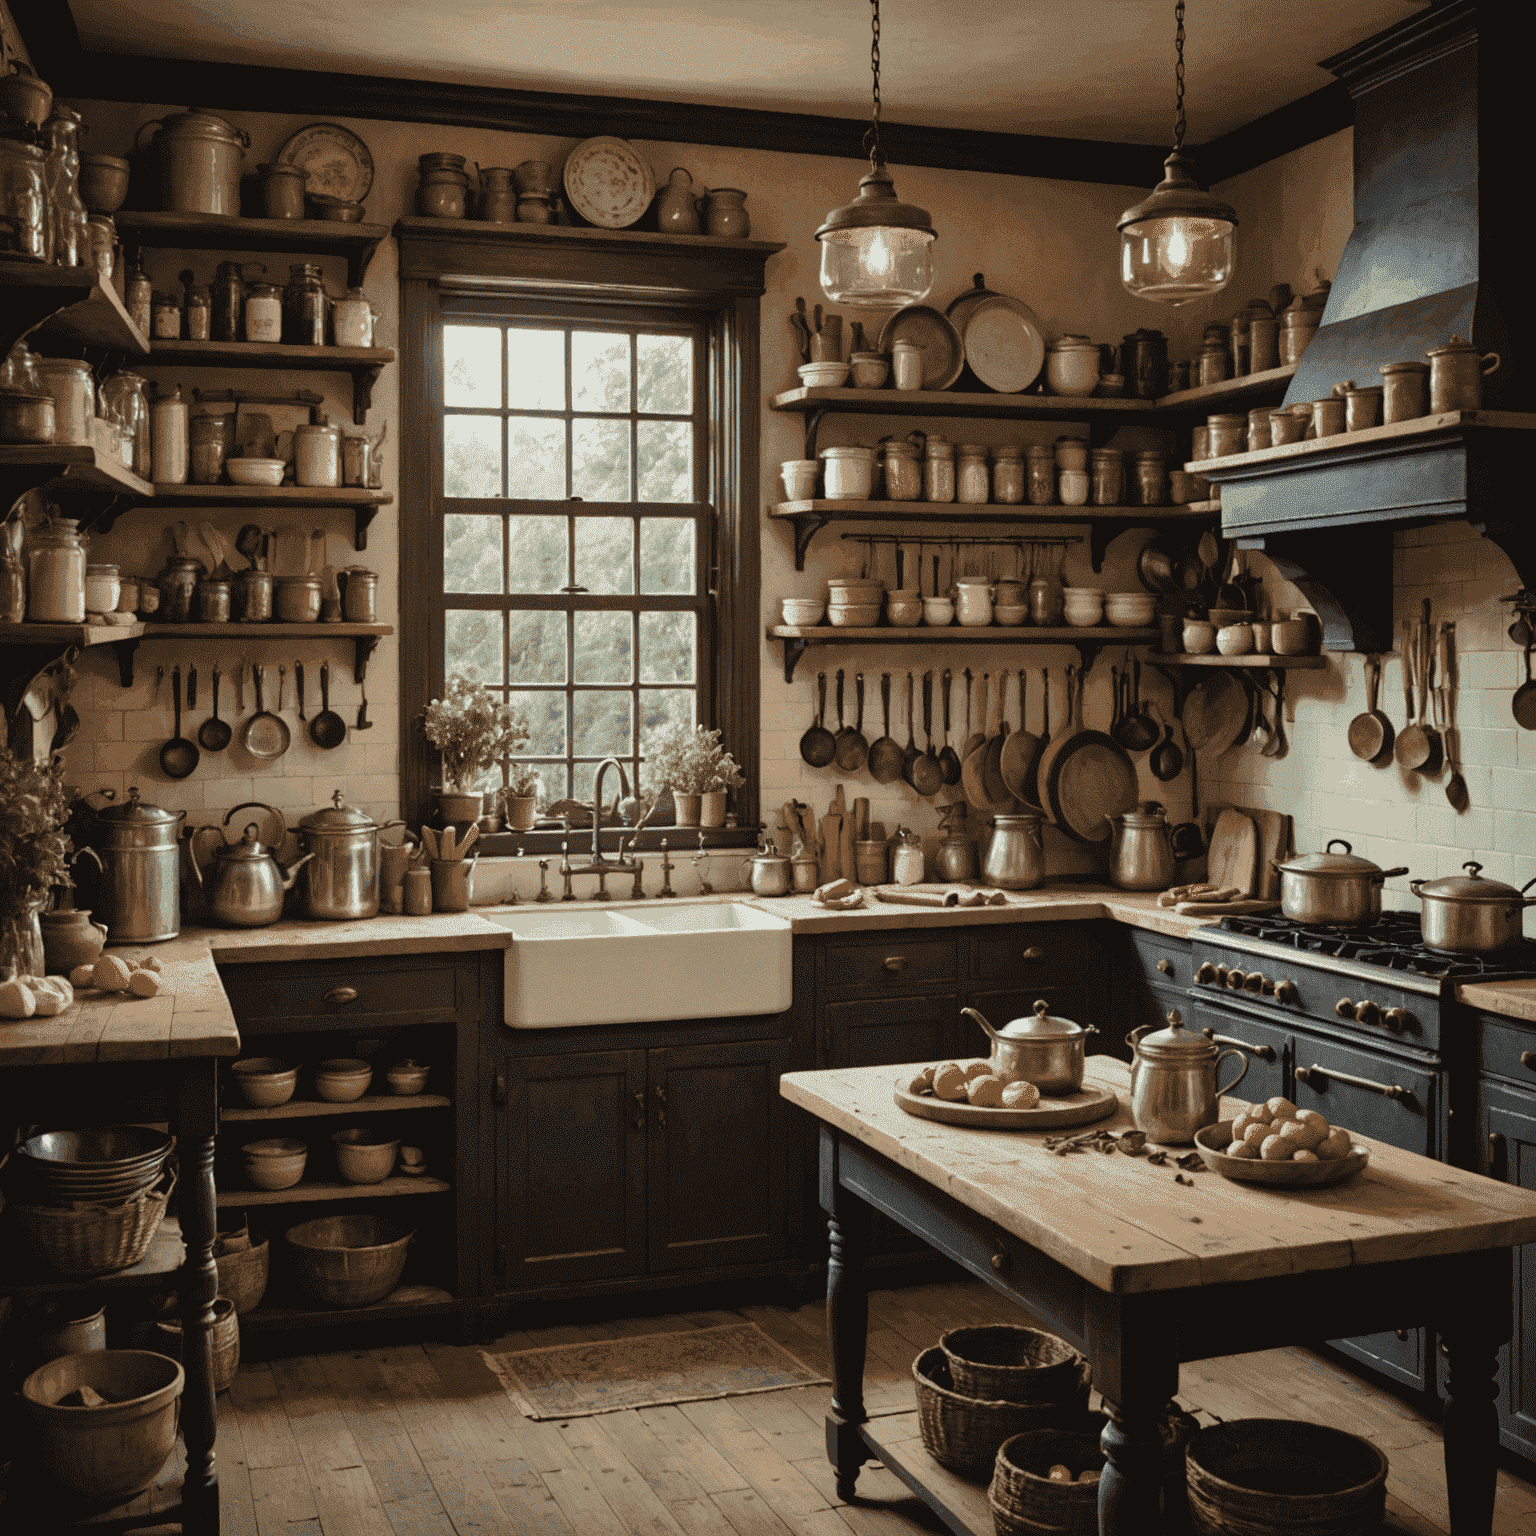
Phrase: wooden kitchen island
{"type": "Point", "coordinates": [1142, 1273]}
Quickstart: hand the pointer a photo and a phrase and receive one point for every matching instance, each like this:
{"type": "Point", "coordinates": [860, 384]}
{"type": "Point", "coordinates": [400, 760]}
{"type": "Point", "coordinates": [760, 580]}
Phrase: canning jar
{"type": "Point", "coordinates": [61, 173]}
{"type": "Point", "coordinates": [264, 312]}
{"type": "Point", "coordinates": [197, 309]}
{"type": "Point", "coordinates": [56, 574]}
{"type": "Point", "coordinates": [176, 585]}
{"type": "Point", "coordinates": [1108, 486]}
{"type": "Point", "coordinates": [1042, 475]}
{"type": "Point", "coordinates": [210, 442]}
{"type": "Point", "coordinates": [939, 471]}
{"type": "Point", "coordinates": [1258, 429]}
{"type": "Point", "coordinates": [102, 588]}
{"type": "Point", "coordinates": [317, 454]}
{"type": "Point", "coordinates": [166, 322]}
{"type": "Point", "coordinates": [972, 482]}
{"type": "Point", "coordinates": [168, 438]}
{"type": "Point", "coordinates": [69, 381]}
{"type": "Point", "coordinates": [227, 292]}
{"type": "Point", "coordinates": [1151, 487]}
{"type": "Point", "coordinates": [213, 602]}
{"type": "Point", "coordinates": [102, 234]}
{"type": "Point", "coordinates": [903, 473]}
{"type": "Point", "coordinates": [304, 306]}
{"type": "Point", "coordinates": [1228, 434]}
{"type": "Point", "coordinates": [138, 298]}
{"type": "Point", "coordinates": [352, 319]}
{"type": "Point", "coordinates": [124, 393]}
{"type": "Point", "coordinates": [1008, 475]}
{"type": "Point", "coordinates": [26, 219]}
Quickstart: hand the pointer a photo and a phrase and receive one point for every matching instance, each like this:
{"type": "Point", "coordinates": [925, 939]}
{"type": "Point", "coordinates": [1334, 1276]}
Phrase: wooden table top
{"type": "Point", "coordinates": [1124, 1225]}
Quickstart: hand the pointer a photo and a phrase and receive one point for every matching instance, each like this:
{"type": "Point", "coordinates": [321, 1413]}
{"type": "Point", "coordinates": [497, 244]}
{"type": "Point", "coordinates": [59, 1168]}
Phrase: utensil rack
{"type": "Point", "coordinates": [1182, 671]}
{"type": "Point", "coordinates": [364, 637]}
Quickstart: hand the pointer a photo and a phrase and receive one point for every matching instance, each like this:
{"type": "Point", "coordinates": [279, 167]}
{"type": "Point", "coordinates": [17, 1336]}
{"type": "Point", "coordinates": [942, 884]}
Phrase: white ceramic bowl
{"type": "Point", "coordinates": [1129, 610]}
{"type": "Point", "coordinates": [276, 1163]}
{"type": "Point", "coordinates": [904, 608]}
{"type": "Point", "coordinates": [815, 374]}
{"type": "Point", "coordinates": [802, 611]}
{"type": "Point", "coordinates": [869, 369]}
{"type": "Point", "coordinates": [854, 615]}
{"type": "Point", "coordinates": [938, 611]}
{"type": "Point", "coordinates": [1199, 637]}
{"type": "Point", "coordinates": [1234, 639]}
{"type": "Point", "coordinates": [342, 1079]}
{"type": "Point", "coordinates": [800, 477]}
{"type": "Point", "coordinates": [1082, 606]}
{"type": "Point", "coordinates": [255, 471]}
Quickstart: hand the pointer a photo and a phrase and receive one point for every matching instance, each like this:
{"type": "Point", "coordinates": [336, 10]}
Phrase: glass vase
{"type": "Point", "coordinates": [21, 939]}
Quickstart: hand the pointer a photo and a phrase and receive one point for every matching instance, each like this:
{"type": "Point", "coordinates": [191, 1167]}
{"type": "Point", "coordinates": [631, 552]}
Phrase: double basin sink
{"type": "Point", "coordinates": [644, 964]}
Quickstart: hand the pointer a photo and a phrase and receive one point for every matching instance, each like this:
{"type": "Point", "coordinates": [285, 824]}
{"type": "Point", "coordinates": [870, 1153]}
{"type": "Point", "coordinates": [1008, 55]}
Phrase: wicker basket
{"type": "Point", "coordinates": [964, 1433]}
{"type": "Point", "coordinates": [1002, 1362]}
{"type": "Point", "coordinates": [224, 1342]}
{"type": "Point", "coordinates": [243, 1274]}
{"type": "Point", "coordinates": [1265, 1477]}
{"type": "Point", "coordinates": [1024, 1499]}
{"type": "Point", "coordinates": [94, 1239]}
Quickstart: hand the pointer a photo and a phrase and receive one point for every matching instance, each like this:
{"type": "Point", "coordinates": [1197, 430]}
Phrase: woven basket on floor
{"type": "Point", "coordinates": [94, 1239]}
{"type": "Point", "coordinates": [964, 1433]}
{"type": "Point", "coordinates": [1024, 1499]}
{"type": "Point", "coordinates": [1002, 1362]}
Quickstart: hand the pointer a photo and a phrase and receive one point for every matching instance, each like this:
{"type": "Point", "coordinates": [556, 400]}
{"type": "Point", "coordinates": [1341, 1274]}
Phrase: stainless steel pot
{"type": "Point", "coordinates": [341, 883]}
{"type": "Point", "coordinates": [1471, 915]}
{"type": "Point", "coordinates": [1050, 1052]}
{"type": "Point", "coordinates": [199, 157]}
{"type": "Point", "coordinates": [1141, 849]}
{"type": "Point", "coordinates": [140, 896]}
{"type": "Point", "coordinates": [770, 873]}
{"type": "Point", "coordinates": [1333, 890]}
{"type": "Point", "coordinates": [1015, 858]}
{"type": "Point", "coordinates": [1173, 1081]}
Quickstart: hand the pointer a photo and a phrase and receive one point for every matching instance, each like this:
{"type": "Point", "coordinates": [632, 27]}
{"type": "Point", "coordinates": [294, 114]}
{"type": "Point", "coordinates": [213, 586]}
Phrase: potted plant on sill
{"type": "Point", "coordinates": [519, 797]}
{"type": "Point", "coordinates": [474, 731]}
{"type": "Point", "coordinates": [34, 856]}
{"type": "Point", "coordinates": [698, 771]}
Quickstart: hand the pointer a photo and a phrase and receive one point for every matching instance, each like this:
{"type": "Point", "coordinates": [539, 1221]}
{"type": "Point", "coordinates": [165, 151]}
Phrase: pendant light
{"type": "Point", "coordinates": [875, 250]}
{"type": "Point", "coordinates": [1177, 245]}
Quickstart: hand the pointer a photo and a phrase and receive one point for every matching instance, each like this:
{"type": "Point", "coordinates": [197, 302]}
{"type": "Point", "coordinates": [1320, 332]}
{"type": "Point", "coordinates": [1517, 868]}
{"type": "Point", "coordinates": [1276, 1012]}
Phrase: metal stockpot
{"type": "Point", "coordinates": [1471, 915]}
{"type": "Point", "coordinates": [341, 882]}
{"type": "Point", "coordinates": [199, 157]}
{"type": "Point", "coordinates": [140, 897]}
{"type": "Point", "coordinates": [1333, 890]}
{"type": "Point", "coordinates": [1015, 857]}
{"type": "Point", "coordinates": [1050, 1052]}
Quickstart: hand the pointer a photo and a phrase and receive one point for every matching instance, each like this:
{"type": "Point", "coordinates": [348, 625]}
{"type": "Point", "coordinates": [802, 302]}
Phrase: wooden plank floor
{"type": "Point", "coordinates": [420, 1440]}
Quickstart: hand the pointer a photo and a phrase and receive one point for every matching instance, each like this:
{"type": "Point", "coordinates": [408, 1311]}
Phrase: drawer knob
{"type": "Point", "coordinates": [1166, 967]}
{"type": "Point", "coordinates": [895, 962]}
{"type": "Point", "coordinates": [1528, 1059]}
{"type": "Point", "coordinates": [339, 995]}
{"type": "Point", "coordinates": [1034, 952]}
{"type": "Point", "coordinates": [1000, 1261]}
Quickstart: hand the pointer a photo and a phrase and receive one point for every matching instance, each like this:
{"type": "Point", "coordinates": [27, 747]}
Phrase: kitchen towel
{"type": "Point", "coordinates": [573, 1381]}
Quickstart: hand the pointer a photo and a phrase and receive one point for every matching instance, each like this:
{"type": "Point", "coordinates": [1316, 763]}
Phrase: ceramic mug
{"type": "Point", "coordinates": [1199, 637]}
{"type": "Point", "coordinates": [973, 603]}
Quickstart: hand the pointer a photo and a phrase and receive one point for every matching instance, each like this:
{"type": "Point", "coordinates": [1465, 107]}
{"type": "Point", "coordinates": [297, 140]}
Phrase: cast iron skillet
{"type": "Point", "coordinates": [214, 733]}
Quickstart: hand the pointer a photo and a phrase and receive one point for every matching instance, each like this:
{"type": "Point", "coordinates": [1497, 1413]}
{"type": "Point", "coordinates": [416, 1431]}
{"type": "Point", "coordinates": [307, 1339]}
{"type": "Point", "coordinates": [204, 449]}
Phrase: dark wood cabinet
{"type": "Point", "coordinates": [890, 1030]}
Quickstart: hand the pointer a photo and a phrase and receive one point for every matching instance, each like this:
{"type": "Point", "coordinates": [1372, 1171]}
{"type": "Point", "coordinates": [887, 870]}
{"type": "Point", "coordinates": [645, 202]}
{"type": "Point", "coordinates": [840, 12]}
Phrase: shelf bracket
{"type": "Point", "coordinates": [812, 428]}
{"type": "Point", "coordinates": [1101, 535]}
{"type": "Point", "coordinates": [363, 380]}
{"type": "Point", "coordinates": [126, 651]}
{"type": "Point", "coordinates": [1088, 653]}
{"type": "Point", "coordinates": [807, 526]}
{"type": "Point", "coordinates": [364, 647]}
{"type": "Point", "coordinates": [1180, 681]}
{"type": "Point", "coordinates": [358, 258]}
{"type": "Point", "coordinates": [793, 651]}
{"type": "Point", "coordinates": [1518, 541]}
{"type": "Point", "coordinates": [361, 517]}
{"type": "Point", "coordinates": [1358, 615]}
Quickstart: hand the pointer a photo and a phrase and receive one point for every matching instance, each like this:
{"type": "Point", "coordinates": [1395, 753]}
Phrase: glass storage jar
{"type": "Point", "coordinates": [939, 471]}
{"type": "Point", "coordinates": [102, 234]}
{"type": "Point", "coordinates": [227, 292]}
{"type": "Point", "coordinates": [166, 317]}
{"type": "Point", "coordinates": [125, 393]}
{"type": "Point", "coordinates": [1228, 434]}
{"type": "Point", "coordinates": [1008, 475]}
{"type": "Point", "coordinates": [73, 389]}
{"type": "Point", "coordinates": [352, 319]}
{"type": "Point", "coordinates": [56, 574]}
{"type": "Point", "coordinates": [317, 454]}
{"type": "Point", "coordinates": [1042, 475]}
{"type": "Point", "coordinates": [210, 443]}
{"type": "Point", "coordinates": [304, 306]}
{"type": "Point", "coordinates": [26, 218]}
{"type": "Point", "coordinates": [973, 484]}
{"type": "Point", "coordinates": [61, 172]}
{"type": "Point", "coordinates": [168, 439]}
{"type": "Point", "coordinates": [102, 588]}
{"type": "Point", "coordinates": [264, 312]}
{"type": "Point", "coordinates": [177, 584]}
{"type": "Point", "coordinates": [138, 298]}
{"type": "Point", "coordinates": [903, 473]}
{"type": "Point", "coordinates": [1258, 429]}
{"type": "Point", "coordinates": [1151, 485]}
{"type": "Point", "coordinates": [1108, 484]}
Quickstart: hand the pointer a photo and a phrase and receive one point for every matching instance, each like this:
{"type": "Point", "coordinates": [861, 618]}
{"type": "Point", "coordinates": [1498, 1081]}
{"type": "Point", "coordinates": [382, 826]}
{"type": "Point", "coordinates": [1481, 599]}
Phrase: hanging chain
{"type": "Point", "coordinates": [872, 137]}
{"type": "Point", "coordinates": [1178, 74]}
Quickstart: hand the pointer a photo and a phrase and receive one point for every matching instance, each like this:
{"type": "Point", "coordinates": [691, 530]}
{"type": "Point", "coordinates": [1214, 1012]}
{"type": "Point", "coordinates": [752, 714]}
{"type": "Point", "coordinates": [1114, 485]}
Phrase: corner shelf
{"type": "Point", "coordinates": [1105, 523]}
{"type": "Point", "coordinates": [229, 232]}
{"type": "Point", "coordinates": [306, 1109]}
{"type": "Point", "coordinates": [364, 637]}
{"type": "Point", "coordinates": [1087, 641]}
{"type": "Point", "coordinates": [364, 364]}
{"type": "Point", "coordinates": [302, 1192]}
{"type": "Point", "coordinates": [63, 307]}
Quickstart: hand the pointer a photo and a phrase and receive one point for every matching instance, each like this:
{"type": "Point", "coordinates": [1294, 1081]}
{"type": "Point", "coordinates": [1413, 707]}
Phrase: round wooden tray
{"type": "Point", "coordinates": [1056, 1113]}
{"type": "Point", "coordinates": [1252, 1170]}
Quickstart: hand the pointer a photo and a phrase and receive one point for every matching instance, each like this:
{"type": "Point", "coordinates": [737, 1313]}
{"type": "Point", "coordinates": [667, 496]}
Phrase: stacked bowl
{"type": "Point", "coordinates": [855, 601]}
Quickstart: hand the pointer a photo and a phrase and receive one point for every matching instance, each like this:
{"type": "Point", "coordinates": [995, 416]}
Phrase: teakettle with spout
{"type": "Point", "coordinates": [1141, 856]}
{"type": "Point", "coordinates": [1173, 1081]}
{"type": "Point", "coordinates": [245, 884]}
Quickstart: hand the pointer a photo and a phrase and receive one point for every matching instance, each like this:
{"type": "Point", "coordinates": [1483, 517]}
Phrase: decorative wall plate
{"type": "Point", "coordinates": [334, 161]}
{"type": "Point", "coordinates": [608, 183]}
{"type": "Point", "coordinates": [930, 329]}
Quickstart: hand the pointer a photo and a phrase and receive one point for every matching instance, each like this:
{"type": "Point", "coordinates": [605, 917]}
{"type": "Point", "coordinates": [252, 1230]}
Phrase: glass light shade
{"type": "Point", "coordinates": [875, 250]}
{"type": "Point", "coordinates": [1178, 244]}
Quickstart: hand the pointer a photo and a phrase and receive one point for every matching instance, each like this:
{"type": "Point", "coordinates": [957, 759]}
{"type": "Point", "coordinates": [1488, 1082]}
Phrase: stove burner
{"type": "Point", "coordinates": [1395, 943]}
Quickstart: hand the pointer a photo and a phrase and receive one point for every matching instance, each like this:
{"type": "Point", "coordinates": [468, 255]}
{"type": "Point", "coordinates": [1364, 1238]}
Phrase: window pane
{"type": "Point", "coordinates": [538, 554]}
{"type": "Point", "coordinates": [667, 648]}
{"type": "Point", "coordinates": [472, 365]}
{"type": "Point", "coordinates": [661, 707]}
{"type": "Point", "coordinates": [603, 649]}
{"type": "Point", "coordinates": [582, 777]}
{"type": "Point", "coordinates": [599, 371]}
{"type": "Point", "coordinates": [546, 726]}
{"type": "Point", "coordinates": [473, 646]}
{"type": "Point", "coordinates": [604, 724]}
{"type": "Point", "coordinates": [600, 460]}
{"type": "Point", "coordinates": [471, 456]}
{"type": "Point", "coordinates": [664, 373]}
{"type": "Point", "coordinates": [536, 648]}
{"type": "Point", "coordinates": [535, 458]}
{"type": "Point", "coordinates": [536, 370]}
{"type": "Point", "coordinates": [471, 553]}
{"type": "Point", "coordinates": [666, 460]}
{"type": "Point", "coordinates": [667, 556]}
{"type": "Point", "coordinates": [605, 555]}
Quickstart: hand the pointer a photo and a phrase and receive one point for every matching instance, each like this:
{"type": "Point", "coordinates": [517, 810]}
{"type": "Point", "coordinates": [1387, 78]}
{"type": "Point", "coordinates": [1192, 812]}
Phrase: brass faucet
{"type": "Point", "coordinates": [601, 866]}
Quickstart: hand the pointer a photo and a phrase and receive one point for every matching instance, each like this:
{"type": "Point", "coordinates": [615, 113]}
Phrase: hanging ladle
{"type": "Point", "coordinates": [1523, 705]}
{"type": "Point", "coordinates": [949, 760]}
{"type": "Point", "coordinates": [214, 733]}
{"type": "Point", "coordinates": [885, 757]}
{"type": "Point", "coordinates": [178, 757]}
{"type": "Point", "coordinates": [327, 729]}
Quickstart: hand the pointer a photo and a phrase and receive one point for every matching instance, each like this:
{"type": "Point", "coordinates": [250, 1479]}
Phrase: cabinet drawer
{"type": "Point", "coordinates": [1164, 962]}
{"type": "Point", "coordinates": [1263, 1047]}
{"type": "Point", "coordinates": [1410, 1122]}
{"type": "Point", "coordinates": [396, 993]}
{"type": "Point", "coordinates": [1509, 1050]}
{"type": "Point", "coordinates": [1031, 955]}
{"type": "Point", "coordinates": [890, 962]}
{"type": "Point", "coordinates": [890, 1030]}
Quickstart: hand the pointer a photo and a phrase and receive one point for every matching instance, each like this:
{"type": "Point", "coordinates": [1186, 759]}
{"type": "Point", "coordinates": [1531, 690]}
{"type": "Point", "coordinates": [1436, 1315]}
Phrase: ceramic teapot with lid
{"type": "Point", "coordinates": [1173, 1080]}
{"type": "Point", "coordinates": [1049, 1052]}
{"type": "Point", "coordinates": [245, 884]}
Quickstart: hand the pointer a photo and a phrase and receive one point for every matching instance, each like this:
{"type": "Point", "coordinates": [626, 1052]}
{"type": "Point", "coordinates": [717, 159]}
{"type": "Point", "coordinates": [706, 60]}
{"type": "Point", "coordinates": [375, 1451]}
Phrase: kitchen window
{"type": "Point", "coordinates": [579, 521]}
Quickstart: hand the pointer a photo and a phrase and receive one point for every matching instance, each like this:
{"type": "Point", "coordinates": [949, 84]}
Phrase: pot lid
{"type": "Point", "coordinates": [136, 813]}
{"type": "Point", "coordinates": [1176, 1043]}
{"type": "Point", "coordinates": [1468, 887]}
{"type": "Point", "coordinates": [1457, 344]}
{"type": "Point", "coordinates": [194, 121]}
{"type": "Point", "coordinates": [338, 817]}
{"type": "Point", "coordinates": [1331, 863]}
{"type": "Point", "coordinates": [1040, 1026]}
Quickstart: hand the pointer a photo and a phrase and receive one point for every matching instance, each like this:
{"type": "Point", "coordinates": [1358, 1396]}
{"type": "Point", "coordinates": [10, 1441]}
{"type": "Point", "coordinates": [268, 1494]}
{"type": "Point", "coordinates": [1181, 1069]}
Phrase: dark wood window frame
{"type": "Point", "coordinates": [718, 281]}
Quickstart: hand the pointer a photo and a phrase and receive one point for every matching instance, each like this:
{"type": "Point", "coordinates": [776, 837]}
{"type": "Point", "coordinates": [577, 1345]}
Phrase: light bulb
{"type": "Point", "coordinates": [878, 256]}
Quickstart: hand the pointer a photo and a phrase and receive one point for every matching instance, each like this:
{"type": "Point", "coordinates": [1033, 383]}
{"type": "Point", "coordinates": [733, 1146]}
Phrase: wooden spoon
{"type": "Point", "coordinates": [818, 745]}
{"type": "Point", "coordinates": [910, 756]}
{"type": "Point", "coordinates": [885, 756]}
{"type": "Point", "coordinates": [949, 759]}
{"type": "Point", "coordinates": [1370, 733]}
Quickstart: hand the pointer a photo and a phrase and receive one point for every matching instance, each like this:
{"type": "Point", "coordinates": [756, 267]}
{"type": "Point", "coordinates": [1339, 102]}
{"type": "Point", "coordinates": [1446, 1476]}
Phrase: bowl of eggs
{"type": "Point", "coordinates": [1277, 1143]}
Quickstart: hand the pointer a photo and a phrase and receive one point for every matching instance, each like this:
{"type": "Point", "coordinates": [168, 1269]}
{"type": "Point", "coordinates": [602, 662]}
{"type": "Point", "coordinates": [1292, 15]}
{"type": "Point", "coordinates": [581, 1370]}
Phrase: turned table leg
{"type": "Point", "coordinates": [847, 1325]}
{"type": "Point", "coordinates": [1135, 1366]}
{"type": "Point", "coordinates": [1471, 1420]}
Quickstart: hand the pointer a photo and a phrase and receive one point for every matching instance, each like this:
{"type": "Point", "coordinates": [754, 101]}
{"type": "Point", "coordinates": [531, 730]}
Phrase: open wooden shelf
{"type": "Point", "coordinates": [81, 635]}
{"type": "Point", "coordinates": [305, 1191]}
{"type": "Point", "coordinates": [229, 232]}
{"type": "Point", "coordinates": [20, 1276]}
{"type": "Point", "coordinates": [364, 637]}
{"type": "Point", "coordinates": [371, 1103]}
{"type": "Point", "coordinates": [1215, 397]}
{"type": "Point", "coordinates": [83, 467]}
{"type": "Point", "coordinates": [364, 364]}
{"type": "Point", "coordinates": [269, 495]}
{"type": "Point", "coordinates": [405, 1301]}
{"type": "Point", "coordinates": [62, 307]}
{"type": "Point", "coordinates": [1251, 662]}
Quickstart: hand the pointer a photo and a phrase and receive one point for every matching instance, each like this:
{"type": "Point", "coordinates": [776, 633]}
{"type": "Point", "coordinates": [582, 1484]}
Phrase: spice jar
{"type": "Point", "coordinates": [168, 438]}
{"type": "Point", "coordinates": [125, 393]}
{"type": "Point", "coordinates": [973, 484]}
{"type": "Point", "coordinates": [263, 312]}
{"type": "Point", "coordinates": [352, 319]}
{"type": "Point", "coordinates": [1456, 376]}
{"type": "Point", "coordinates": [69, 381]}
{"type": "Point", "coordinates": [906, 365]}
{"type": "Point", "coordinates": [317, 454]}
{"type": "Point", "coordinates": [1362, 408]}
{"type": "Point", "coordinates": [166, 317]}
{"type": "Point", "coordinates": [1213, 364]}
{"type": "Point", "coordinates": [903, 473]}
{"type": "Point", "coordinates": [177, 585]}
{"type": "Point", "coordinates": [102, 233]}
{"type": "Point", "coordinates": [1228, 434]}
{"type": "Point", "coordinates": [1008, 475]}
{"type": "Point", "coordinates": [907, 857]}
{"type": "Point", "coordinates": [1239, 345]}
{"type": "Point", "coordinates": [102, 588]}
{"type": "Point", "coordinates": [138, 298]}
{"type": "Point", "coordinates": [1108, 487]}
{"type": "Point", "coordinates": [1151, 487]}
{"type": "Point", "coordinates": [356, 454]}
{"type": "Point", "coordinates": [1258, 428]}
{"type": "Point", "coordinates": [227, 291]}
{"type": "Point", "coordinates": [1042, 475]}
{"type": "Point", "coordinates": [213, 602]}
{"type": "Point", "coordinates": [56, 574]}
{"type": "Point", "coordinates": [1405, 390]}
{"type": "Point", "coordinates": [939, 471]}
{"type": "Point", "coordinates": [304, 306]}
{"type": "Point", "coordinates": [210, 440]}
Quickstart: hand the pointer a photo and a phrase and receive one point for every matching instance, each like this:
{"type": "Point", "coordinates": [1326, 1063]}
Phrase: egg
{"type": "Point", "coordinates": [1257, 1134]}
{"type": "Point", "coordinates": [1276, 1149]}
{"type": "Point", "coordinates": [1280, 1108]}
{"type": "Point", "coordinates": [1020, 1094]}
{"type": "Point", "coordinates": [979, 1069]}
{"type": "Point", "coordinates": [1242, 1149]}
{"type": "Point", "coordinates": [949, 1082]}
{"type": "Point", "coordinates": [1338, 1143]}
{"type": "Point", "coordinates": [984, 1092]}
{"type": "Point", "coordinates": [1303, 1135]}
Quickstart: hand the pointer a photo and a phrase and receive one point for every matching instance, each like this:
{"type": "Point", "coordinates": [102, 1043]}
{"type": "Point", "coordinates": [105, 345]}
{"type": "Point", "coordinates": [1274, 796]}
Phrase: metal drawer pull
{"type": "Point", "coordinates": [1317, 1077]}
{"type": "Point", "coordinates": [499, 1090]}
{"type": "Point", "coordinates": [1263, 1052]}
{"type": "Point", "coordinates": [999, 1261]}
{"type": "Point", "coordinates": [339, 995]}
{"type": "Point", "coordinates": [1034, 952]}
{"type": "Point", "coordinates": [639, 1109]}
{"type": "Point", "coordinates": [1498, 1157]}
{"type": "Point", "coordinates": [1166, 967]}
{"type": "Point", "coordinates": [1528, 1059]}
{"type": "Point", "coordinates": [895, 962]}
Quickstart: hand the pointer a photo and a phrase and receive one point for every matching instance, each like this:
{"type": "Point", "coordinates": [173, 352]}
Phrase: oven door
{"type": "Point", "coordinates": [1262, 1045]}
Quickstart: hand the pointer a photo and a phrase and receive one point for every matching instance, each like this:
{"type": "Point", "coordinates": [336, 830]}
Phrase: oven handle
{"type": "Point", "coordinates": [1498, 1157]}
{"type": "Point", "coordinates": [1263, 1052]}
{"type": "Point", "coordinates": [1317, 1077]}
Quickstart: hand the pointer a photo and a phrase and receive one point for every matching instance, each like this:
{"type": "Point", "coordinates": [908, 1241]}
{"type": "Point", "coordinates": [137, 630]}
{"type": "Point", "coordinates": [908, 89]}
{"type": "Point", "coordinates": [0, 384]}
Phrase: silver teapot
{"type": "Point", "coordinates": [245, 884]}
{"type": "Point", "coordinates": [1049, 1052]}
{"type": "Point", "coordinates": [1173, 1081]}
{"type": "Point", "coordinates": [771, 874]}
{"type": "Point", "coordinates": [1141, 856]}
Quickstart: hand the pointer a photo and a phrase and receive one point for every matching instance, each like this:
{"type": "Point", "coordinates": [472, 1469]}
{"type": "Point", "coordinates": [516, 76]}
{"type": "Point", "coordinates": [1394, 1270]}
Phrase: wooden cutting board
{"type": "Point", "coordinates": [1093, 1102]}
{"type": "Point", "coordinates": [1233, 858]}
{"type": "Point", "coordinates": [1274, 839]}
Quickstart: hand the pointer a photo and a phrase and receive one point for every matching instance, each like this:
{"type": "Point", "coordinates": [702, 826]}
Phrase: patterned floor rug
{"type": "Point", "coordinates": [572, 1381]}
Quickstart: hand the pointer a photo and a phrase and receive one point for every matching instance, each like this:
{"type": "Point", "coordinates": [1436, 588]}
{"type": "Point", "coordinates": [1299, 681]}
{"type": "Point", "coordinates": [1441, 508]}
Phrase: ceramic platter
{"type": "Point", "coordinates": [1252, 1170]}
{"type": "Point", "coordinates": [334, 161]}
{"type": "Point", "coordinates": [932, 330]}
{"type": "Point", "coordinates": [608, 183]}
{"type": "Point", "coordinates": [1056, 1113]}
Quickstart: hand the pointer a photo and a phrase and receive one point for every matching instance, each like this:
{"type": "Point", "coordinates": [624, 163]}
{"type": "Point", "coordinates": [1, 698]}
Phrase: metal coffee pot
{"type": "Point", "coordinates": [1015, 857]}
{"type": "Point", "coordinates": [245, 884]}
{"type": "Point", "coordinates": [1173, 1081]}
{"type": "Point", "coordinates": [342, 884]}
{"type": "Point", "coordinates": [771, 872]}
{"type": "Point", "coordinates": [1050, 1052]}
{"type": "Point", "coordinates": [1141, 856]}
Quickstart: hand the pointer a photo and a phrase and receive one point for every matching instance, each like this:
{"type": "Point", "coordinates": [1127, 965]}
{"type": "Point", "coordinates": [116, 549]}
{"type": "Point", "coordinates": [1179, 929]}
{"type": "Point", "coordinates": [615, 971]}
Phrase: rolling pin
{"type": "Point", "coordinates": [1223, 908]}
{"type": "Point", "coordinates": [919, 898]}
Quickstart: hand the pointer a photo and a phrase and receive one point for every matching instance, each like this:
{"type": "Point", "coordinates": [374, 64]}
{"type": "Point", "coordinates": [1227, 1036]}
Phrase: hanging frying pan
{"type": "Point", "coordinates": [1019, 751]}
{"type": "Point", "coordinates": [1053, 749]}
{"type": "Point", "coordinates": [1091, 779]}
{"type": "Point", "coordinates": [178, 757]}
{"type": "Point", "coordinates": [265, 735]}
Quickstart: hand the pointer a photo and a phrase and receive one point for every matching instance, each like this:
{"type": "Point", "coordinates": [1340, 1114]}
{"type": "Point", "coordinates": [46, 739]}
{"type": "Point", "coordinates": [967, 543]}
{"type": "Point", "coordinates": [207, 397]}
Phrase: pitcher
{"type": "Point", "coordinates": [1173, 1081]}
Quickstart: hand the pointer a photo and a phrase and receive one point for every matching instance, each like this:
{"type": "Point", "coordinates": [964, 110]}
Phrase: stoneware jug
{"type": "Point", "coordinates": [70, 938]}
{"type": "Point", "coordinates": [498, 197]}
{"type": "Point", "coordinates": [676, 213]}
{"type": "Point", "coordinates": [1173, 1081]}
{"type": "Point", "coordinates": [726, 214]}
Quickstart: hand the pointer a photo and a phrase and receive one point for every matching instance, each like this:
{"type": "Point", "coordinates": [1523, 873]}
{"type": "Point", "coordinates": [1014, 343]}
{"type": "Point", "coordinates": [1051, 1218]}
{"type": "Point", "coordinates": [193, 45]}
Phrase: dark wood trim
{"type": "Point", "coordinates": [1277, 133]}
{"type": "Point", "coordinates": [421, 553]}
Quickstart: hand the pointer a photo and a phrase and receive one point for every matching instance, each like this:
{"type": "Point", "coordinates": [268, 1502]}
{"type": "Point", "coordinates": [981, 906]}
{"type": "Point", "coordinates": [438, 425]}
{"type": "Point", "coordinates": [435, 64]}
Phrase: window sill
{"type": "Point", "coordinates": [505, 845]}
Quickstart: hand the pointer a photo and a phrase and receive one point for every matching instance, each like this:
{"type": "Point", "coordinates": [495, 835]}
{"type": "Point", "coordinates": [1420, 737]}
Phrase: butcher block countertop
{"type": "Point", "coordinates": [291, 939]}
{"type": "Point", "coordinates": [1513, 999]}
{"type": "Point", "coordinates": [1124, 1225]}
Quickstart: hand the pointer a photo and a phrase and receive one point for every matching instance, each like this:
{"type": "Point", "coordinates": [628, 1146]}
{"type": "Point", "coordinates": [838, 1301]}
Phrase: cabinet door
{"type": "Point", "coordinates": [570, 1181]}
{"type": "Point", "coordinates": [718, 1153]}
{"type": "Point", "coordinates": [890, 1030]}
{"type": "Point", "coordinates": [1507, 1120]}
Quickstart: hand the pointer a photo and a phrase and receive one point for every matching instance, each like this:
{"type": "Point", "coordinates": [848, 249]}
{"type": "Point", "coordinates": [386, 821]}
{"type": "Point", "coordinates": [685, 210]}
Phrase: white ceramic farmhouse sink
{"type": "Point", "coordinates": [643, 964]}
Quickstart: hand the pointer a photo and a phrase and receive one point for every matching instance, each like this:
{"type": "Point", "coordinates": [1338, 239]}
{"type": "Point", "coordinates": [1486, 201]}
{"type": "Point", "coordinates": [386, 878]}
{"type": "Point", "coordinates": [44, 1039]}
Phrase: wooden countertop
{"type": "Point", "coordinates": [1125, 1225]}
{"type": "Point", "coordinates": [1513, 999]}
{"type": "Point", "coordinates": [440, 933]}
